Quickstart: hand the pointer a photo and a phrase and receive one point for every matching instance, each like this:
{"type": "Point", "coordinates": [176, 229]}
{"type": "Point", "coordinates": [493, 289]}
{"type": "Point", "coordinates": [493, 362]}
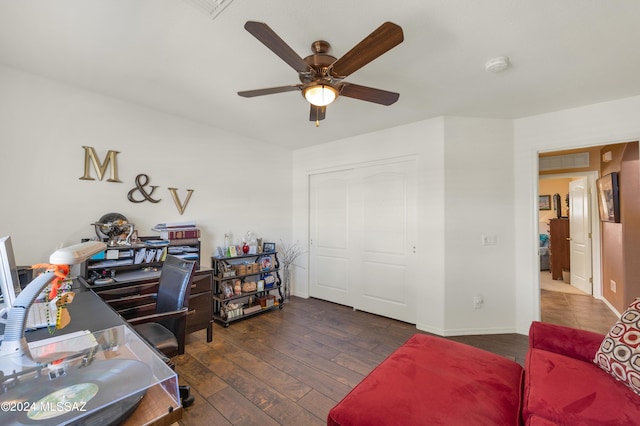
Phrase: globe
{"type": "Point", "coordinates": [111, 226]}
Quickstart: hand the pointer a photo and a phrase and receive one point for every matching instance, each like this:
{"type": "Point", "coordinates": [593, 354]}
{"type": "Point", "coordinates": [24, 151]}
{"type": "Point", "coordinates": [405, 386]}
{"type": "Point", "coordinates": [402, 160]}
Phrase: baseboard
{"type": "Point", "coordinates": [302, 295]}
{"type": "Point", "coordinates": [465, 331]}
{"type": "Point", "coordinates": [429, 329]}
{"type": "Point", "coordinates": [613, 309]}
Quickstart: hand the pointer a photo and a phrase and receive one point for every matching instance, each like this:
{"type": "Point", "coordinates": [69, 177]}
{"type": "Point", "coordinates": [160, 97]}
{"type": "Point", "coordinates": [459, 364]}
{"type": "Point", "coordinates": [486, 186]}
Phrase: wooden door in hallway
{"type": "Point", "coordinates": [362, 230]}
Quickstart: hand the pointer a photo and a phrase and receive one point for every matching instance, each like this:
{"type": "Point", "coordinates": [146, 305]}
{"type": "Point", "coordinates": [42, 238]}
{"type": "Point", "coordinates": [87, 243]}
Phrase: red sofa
{"type": "Point", "coordinates": [564, 386]}
{"type": "Point", "coordinates": [434, 381]}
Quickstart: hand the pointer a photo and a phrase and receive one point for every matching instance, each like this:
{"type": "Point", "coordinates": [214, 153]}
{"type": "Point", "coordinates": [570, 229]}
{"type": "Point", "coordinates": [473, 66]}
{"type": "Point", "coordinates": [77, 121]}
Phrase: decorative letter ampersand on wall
{"type": "Point", "coordinates": [140, 187]}
{"type": "Point", "coordinates": [141, 181]}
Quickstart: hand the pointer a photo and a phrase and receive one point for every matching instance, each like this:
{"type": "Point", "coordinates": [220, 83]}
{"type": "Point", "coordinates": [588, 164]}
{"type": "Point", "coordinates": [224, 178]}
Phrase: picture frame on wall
{"type": "Point", "coordinates": [544, 202]}
{"type": "Point", "coordinates": [608, 198]}
{"type": "Point", "coordinates": [268, 247]}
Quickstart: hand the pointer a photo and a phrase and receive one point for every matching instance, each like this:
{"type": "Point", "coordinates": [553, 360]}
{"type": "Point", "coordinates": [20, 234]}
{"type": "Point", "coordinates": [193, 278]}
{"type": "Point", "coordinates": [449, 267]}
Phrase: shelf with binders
{"type": "Point", "coordinates": [148, 254]}
{"type": "Point", "coordinates": [245, 285]}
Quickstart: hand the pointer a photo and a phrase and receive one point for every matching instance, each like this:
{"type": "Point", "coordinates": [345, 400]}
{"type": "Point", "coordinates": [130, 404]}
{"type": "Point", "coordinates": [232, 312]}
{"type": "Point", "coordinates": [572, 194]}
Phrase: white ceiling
{"type": "Point", "coordinates": [168, 55]}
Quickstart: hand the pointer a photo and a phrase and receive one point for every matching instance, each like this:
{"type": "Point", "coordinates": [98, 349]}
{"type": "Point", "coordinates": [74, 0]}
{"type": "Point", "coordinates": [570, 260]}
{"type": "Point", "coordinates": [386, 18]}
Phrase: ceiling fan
{"type": "Point", "coordinates": [321, 75]}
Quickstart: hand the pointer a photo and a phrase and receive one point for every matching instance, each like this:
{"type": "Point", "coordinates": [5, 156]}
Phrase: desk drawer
{"type": "Point", "coordinates": [200, 310]}
{"type": "Point", "coordinates": [201, 283]}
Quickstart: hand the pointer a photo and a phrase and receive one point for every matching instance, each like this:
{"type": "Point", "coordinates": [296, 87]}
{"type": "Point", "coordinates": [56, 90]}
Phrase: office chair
{"type": "Point", "coordinates": [165, 329]}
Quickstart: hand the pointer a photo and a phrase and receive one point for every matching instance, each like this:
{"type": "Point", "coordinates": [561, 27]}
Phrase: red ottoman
{"type": "Point", "coordinates": [431, 380]}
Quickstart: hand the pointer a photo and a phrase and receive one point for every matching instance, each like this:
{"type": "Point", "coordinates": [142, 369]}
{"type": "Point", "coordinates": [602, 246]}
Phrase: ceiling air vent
{"type": "Point", "coordinates": [211, 8]}
{"type": "Point", "coordinates": [569, 161]}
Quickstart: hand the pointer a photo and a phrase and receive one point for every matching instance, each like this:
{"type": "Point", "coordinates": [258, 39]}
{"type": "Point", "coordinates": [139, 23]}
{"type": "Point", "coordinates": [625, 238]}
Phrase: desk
{"type": "Point", "coordinates": [89, 312]}
{"type": "Point", "coordinates": [125, 295]}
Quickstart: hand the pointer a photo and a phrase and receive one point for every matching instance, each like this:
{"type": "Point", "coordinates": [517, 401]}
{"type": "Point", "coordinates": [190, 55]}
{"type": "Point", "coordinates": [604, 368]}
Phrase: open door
{"type": "Point", "coordinates": [580, 235]}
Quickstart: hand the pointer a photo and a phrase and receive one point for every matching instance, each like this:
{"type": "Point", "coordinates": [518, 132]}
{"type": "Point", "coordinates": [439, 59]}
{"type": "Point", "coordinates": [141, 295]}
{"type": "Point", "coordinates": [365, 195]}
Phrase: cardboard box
{"type": "Point", "coordinates": [253, 268]}
{"type": "Point", "coordinates": [267, 301]}
{"type": "Point", "coordinates": [240, 269]}
{"type": "Point", "coordinates": [252, 309]}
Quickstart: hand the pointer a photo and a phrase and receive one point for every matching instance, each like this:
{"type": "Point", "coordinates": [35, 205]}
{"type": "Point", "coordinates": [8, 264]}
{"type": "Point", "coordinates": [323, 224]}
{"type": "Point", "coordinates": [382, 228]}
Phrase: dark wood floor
{"type": "Point", "coordinates": [291, 366]}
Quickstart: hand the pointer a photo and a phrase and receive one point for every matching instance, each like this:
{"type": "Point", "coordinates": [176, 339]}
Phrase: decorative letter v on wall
{"type": "Point", "coordinates": [181, 206]}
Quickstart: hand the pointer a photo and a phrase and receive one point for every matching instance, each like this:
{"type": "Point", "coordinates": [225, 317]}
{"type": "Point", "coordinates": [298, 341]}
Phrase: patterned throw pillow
{"type": "Point", "coordinates": [619, 353]}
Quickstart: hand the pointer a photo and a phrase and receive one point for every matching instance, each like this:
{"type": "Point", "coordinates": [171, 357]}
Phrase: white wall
{"type": "Point", "coordinates": [598, 124]}
{"type": "Point", "coordinates": [464, 190]}
{"type": "Point", "coordinates": [239, 184]}
{"type": "Point", "coordinates": [479, 202]}
{"type": "Point", "coordinates": [467, 185]}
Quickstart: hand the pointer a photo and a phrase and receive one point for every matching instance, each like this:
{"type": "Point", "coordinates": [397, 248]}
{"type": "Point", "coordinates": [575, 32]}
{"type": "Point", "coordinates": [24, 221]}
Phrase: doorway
{"type": "Point", "coordinates": [579, 208]}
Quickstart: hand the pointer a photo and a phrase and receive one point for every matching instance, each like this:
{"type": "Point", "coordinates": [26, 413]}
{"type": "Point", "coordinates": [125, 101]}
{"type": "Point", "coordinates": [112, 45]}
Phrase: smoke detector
{"type": "Point", "coordinates": [497, 64]}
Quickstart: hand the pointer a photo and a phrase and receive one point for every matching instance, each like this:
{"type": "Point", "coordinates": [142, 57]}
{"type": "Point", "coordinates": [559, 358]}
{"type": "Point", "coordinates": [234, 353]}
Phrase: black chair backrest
{"type": "Point", "coordinates": [175, 284]}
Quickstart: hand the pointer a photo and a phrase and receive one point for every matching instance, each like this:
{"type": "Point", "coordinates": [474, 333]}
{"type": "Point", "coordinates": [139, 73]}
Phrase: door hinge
{"type": "Point", "coordinates": [590, 280]}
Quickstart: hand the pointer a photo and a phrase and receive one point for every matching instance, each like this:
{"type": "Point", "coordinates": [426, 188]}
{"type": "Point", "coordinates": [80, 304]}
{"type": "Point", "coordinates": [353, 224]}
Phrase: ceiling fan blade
{"type": "Point", "coordinates": [269, 91]}
{"type": "Point", "coordinates": [384, 38]}
{"type": "Point", "coordinates": [269, 38]}
{"type": "Point", "coordinates": [368, 94]}
{"type": "Point", "coordinates": [317, 113]}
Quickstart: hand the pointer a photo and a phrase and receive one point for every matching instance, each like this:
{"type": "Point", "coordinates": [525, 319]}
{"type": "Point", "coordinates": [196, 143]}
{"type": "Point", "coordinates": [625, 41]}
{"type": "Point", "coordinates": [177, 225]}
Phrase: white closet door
{"type": "Point", "coordinates": [362, 233]}
{"type": "Point", "coordinates": [329, 251]}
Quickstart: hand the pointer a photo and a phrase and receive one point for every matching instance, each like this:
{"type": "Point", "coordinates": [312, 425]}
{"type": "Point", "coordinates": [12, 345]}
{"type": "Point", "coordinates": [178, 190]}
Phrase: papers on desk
{"type": "Point", "coordinates": [139, 257]}
{"type": "Point", "coordinates": [150, 255]}
{"type": "Point", "coordinates": [118, 254]}
{"type": "Point", "coordinates": [111, 263]}
{"type": "Point", "coordinates": [157, 243]}
{"type": "Point", "coordinates": [114, 257]}
{"type": "Point", "coordinates": [164, 226]}
{"type": "Point", "coordinates": [188, 256]}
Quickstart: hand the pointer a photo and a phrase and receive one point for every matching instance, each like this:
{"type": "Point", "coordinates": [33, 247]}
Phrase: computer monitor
{"type": "Point", "coordinates": [9, 281]}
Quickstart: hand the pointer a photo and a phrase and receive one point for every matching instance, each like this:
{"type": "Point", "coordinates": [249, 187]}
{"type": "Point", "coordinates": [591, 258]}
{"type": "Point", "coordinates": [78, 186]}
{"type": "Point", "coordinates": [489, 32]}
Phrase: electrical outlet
{"type": "Point", "coordinates": [489, 240]}
{"type": "Point", "coordinates": [612, 285]}
{"type": "Point", "coordinates": [477, 302]}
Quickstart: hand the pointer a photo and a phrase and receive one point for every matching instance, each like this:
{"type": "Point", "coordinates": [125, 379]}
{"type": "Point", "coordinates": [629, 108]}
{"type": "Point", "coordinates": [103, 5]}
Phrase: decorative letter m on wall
{"type": "Point", "coordinates": [90, 157]}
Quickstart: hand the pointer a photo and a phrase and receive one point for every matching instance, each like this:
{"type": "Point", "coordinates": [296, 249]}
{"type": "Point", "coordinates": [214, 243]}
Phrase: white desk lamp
{"type": "Point", "coordinates": [14, 346]}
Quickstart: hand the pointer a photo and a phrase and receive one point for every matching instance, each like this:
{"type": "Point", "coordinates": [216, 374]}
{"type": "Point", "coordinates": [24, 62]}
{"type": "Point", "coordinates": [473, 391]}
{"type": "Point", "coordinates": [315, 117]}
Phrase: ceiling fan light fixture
{"type": "Point", "coordinates": [320, 94]}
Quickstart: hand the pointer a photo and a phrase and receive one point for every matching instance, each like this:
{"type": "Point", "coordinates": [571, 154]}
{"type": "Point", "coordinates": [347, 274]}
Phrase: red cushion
{"type": "Point", "coordinates": [431, 380]}
{"type": "Point", "coordinates": [572, 392]}
{"type": "Point", "coordinates": [572, 342]}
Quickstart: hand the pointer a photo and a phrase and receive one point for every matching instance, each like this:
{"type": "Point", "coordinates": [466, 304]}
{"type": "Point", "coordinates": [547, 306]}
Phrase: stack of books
{"type": "Point", "coordinates": [181, 237]}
